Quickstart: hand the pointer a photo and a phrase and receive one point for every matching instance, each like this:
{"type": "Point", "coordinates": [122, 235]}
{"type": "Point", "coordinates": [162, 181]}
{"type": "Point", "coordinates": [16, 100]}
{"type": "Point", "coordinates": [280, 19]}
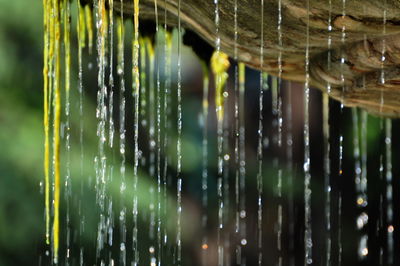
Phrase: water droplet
{"type": "Point", "coordinates": [390, 228]}
{"type": "Point", "coordinates": [151, 249]}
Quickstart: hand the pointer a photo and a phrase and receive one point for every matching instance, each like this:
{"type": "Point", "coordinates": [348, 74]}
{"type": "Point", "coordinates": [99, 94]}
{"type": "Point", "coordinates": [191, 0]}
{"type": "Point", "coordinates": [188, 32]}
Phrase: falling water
{"type": "Point", "coordinates": [101, 114]}
{"type": "Point", "coordinates": [111, 128]}
{"type": "Point", "coordinates": [277, 110]}
{"type": "Point", "coordinates": [362, 200]}
{"type": "Point", "coordinates": [307, 175]}
{"type": "Point", "coordinates": [237, 136]}
{"type": "Point", "coordinates": [242, 165]}
{"type": "Point", "coordinates": [56, 22]}
{"type": "Point", "coordinates": [226, 175]}
{"type": "Point", "coordinates": [327, 172]}
{"type": "Point", "coordinates": [260, 144]}
{"type": "Point", "coordinates": [357, 166]}
{"type": "Point", "coordinates": [158, 143]}
{"type": "Point", "coordinates": [219, 65]}
{"type": "Point", "coordinates": [152, 141]}
{"type": "Point", "coordinates": [329, 43]}
{"type": "Point", "coordinates": [289, 156]}
{"type": "Point", "coordinates": [46, 110]}
{"type": "Point", "coordinates": [167, 114]}
{"type": "Point", "coordinates": [178, 143]}
{"type": "Point", "coordinates": [389, 192]}
{"type": "Point", "coordinates": [122, 139]}
{"type": "Point", "coordinates": [278, 107]}
{"type": "Point", "coordinates": [383, 52]}
{"type": "Point", "coordinates": [136, 91]}
{"type": "Point", "coordinates": [204, 174]}
{"type": "Point", "coordinates": [81, 33]}
{"type": "Point", "coordinates": [68, 194]}
{"type": "Point", "coordinates": [158, 165]}
{"type": "Point", "coordinates": [326, 131]}
{"type": "Point", "coordinates": [342, 65]}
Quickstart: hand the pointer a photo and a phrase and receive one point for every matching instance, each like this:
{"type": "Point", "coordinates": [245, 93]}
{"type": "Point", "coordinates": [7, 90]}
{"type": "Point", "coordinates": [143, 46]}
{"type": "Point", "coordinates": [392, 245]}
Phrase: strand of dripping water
{"type": "Point", "coordinates": [383, 57]}
{"type": "Point", "coordinates": [178, 143]}
{"type": "Point", "coordinates": [307, 175]}
{"type": "Point", "coordinates": [167, 114]}
{"type": "Point", "coordinates": [242, 165]}
{"type": "Point", "coordinates": [289, 156]}
{"type": "Point", "coordinates": [143, 91]}
{"type": "Point", "coordinates": [46, 118]}
{"type": "Point", "coordinates": [328, 60]}
{"type": "Point", "coordinates": [327, 172]}
{"type": "Point", "coordinates": [220, 247]}
{"type": "Point", "coordinates": [51, 72]}
{"type": "Point", "coordinates": [260, 145]}
{"type": "Point", "coordinates": [226, 158]}
{"type": "Point", "coordinates": [204, 182]}
{"type": "Point", "coordinates": [362, 200]}
{"type": "Point", "coordinates": [278, 104]}
{"type": "Point", "coordinates": [381, 163]}
{"type": "Point", "coordinates": [136, 93]}
{"type": "Point", "coordinates": [342, 78]}
{"type": "Point", "coordinates": [101, 115]}
{"type": "Point", "coordinates": [68, 186]}
{"type": "Point", "coordinates": [122, 132]}
{"type": "Point", "coordinates": [280, 123]}
{"type": "Point", "coordinates": [327, 161]}
{"type": "Point", "coordinates": [380, 223]}
{"type": "Point", "coordinates": [362, 218]}
{"type": "Point", "coordinates": [342, 65]}
{"type": "Point", "coordinates": [111, 126]}
{"type": "Point", "coordinates": [152, 145]}
{"type": "Point", "coordinates": [237, 133]}
{"type": "Point", "coordinates": [220, 138]}
{"type": "Point", "coordinates": [158, 143]}
{"type": "Point", "coordinates": [389, 192]}
{"type": "Point", "coordinates": [81, 33]}
{"type": "Point", "coordinates": [240, 225]}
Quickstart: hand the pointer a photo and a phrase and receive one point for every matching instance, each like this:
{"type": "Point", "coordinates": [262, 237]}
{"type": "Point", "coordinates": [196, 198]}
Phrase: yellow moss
{"type": "Point", "coordinates": [219, 66]}
{"type": "Point", "coordinates": [204, 67]}
{"type": "Point", "coordinates": [67, 45]}
{"type": "Point", "coordinates": [89, 26]}
{"type": "Point", "coordinates": [136, 47]}
{"type": "Point", "coordinates": [56, 134]}
{"type": "Point", "coordinates": [242, 74]}
{"type": "Point", "coordinates": [81, 26]}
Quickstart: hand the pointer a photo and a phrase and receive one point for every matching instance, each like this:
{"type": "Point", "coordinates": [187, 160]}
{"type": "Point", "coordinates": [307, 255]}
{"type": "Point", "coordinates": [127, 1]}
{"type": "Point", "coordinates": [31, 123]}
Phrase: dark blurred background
{"type": "Point", "coordinates": [22, 236]}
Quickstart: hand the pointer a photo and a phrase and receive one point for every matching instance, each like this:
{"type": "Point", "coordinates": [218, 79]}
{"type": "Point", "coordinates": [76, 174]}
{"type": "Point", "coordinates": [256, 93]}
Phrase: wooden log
{"type": "Point", "coordinates": [359, 38]}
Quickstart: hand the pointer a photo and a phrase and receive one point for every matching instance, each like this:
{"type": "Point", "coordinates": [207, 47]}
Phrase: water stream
{"type": "Point", "coordinates": [238, 196]}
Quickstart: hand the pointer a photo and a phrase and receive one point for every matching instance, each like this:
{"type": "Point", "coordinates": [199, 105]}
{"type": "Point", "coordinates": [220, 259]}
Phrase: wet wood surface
{"type": "Point", "coordinates": [362, 66]}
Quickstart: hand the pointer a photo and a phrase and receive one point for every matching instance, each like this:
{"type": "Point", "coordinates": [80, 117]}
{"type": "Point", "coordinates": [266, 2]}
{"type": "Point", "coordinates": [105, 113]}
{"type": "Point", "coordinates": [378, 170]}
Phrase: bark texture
{"type": "Point", "coordinates": [353, 66]}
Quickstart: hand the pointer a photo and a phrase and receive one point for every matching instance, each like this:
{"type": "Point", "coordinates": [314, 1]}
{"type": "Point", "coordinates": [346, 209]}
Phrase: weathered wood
{"type": "Point", "coordinates": [362, 49]}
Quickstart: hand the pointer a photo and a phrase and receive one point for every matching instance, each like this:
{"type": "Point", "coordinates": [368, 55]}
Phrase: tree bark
{"type": "Point", "coordinates": [353, 68]}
